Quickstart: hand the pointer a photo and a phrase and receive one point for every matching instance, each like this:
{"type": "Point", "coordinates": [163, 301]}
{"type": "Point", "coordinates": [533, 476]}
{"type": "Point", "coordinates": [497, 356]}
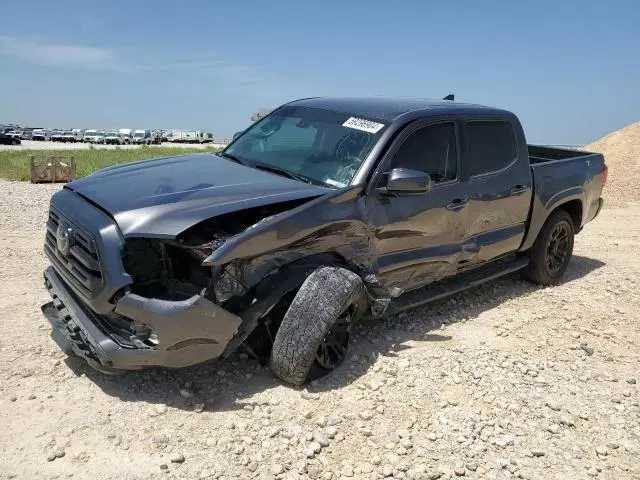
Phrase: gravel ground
{"type": "Point", "coordinates": [505, 381]}
{"type": "Point", "coordinates": [34, 145]}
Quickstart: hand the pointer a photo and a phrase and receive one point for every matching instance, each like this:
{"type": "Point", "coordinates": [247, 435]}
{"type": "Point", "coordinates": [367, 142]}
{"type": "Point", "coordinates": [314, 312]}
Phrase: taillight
{"type": "Point", "coordinates": [605, 175]}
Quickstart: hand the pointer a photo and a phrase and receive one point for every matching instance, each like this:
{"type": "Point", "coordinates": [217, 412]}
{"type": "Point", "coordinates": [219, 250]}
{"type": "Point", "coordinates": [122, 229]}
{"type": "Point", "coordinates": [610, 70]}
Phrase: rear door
{"type": "Point", "coordinates": [499, 188]}
{"type": "Point", "coordinates": [418, 237]}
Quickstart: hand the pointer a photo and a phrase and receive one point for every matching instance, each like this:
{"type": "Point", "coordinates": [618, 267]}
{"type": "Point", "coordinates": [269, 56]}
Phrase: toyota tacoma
{"type": "Point", "coordinates": [322, 212]}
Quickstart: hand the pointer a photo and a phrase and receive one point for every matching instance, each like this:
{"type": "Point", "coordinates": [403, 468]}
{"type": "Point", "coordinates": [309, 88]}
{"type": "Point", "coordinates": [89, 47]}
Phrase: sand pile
{"type": "Point", "coordinates": [621, 150]}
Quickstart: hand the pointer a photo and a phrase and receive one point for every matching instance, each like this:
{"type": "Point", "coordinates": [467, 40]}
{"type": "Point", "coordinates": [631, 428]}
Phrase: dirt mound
{"type": "Point", "coordinates": [621, 150]}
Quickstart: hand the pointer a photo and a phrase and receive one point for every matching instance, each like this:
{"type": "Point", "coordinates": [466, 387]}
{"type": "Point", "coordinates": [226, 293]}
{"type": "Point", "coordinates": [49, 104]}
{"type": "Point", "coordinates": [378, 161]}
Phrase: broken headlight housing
{"type": "Point", "coordinates": [226, 286]}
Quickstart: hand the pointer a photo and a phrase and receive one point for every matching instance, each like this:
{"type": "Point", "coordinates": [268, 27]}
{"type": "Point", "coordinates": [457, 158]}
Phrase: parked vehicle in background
{"type": "Point", "coordinates": [27, 133]}
{"type": "Point", "coordinates": [142, 137]}
{"type": "Point", "coordinates": [113, 137]}
{"type": "Point", "coordinates": [126, 134]}
{"type": "Point", "coordinates": [73, 136]}
{"type": "Point", "coordinates": [6, 139]}
{"type": "Point", "coordinates": [94, 136]}
{"type": "Point", "coordinates": [325, 211]}
{"type": "Point", "coordinates": [56, 135]}
{"type": "Point", "coordinates": [60, 136]}
{"type": "Point", "coordinates": [41, 134]}
{"type": "Point", "coordinates": [10, 128]}
{"type": "Point", "coordinates": [15, 134]}
{"type": "Point", "coordinates": [156, 136]}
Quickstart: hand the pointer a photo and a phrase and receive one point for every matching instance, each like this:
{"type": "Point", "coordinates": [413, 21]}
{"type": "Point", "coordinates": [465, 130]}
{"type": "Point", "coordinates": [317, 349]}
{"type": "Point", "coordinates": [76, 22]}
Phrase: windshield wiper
{"type": "Point", "coordinates": [233, 158]}
{"type": "Point", "coordinates": [284, 172]}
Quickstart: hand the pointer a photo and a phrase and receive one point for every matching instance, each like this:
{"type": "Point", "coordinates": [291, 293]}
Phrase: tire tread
{"type": "Point", "coordinates": [323, 296]}
{"type": "Point", "coordinates": [536, 271]}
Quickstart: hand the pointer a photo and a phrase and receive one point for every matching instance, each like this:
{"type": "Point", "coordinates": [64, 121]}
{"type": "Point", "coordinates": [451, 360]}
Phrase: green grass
{"type": "Point", "coordinates": [14, 164]}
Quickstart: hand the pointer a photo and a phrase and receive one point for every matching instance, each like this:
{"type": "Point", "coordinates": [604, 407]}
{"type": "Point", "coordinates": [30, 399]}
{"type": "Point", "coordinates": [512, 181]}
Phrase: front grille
{"type": "Point", "coordinates": [80, 265]}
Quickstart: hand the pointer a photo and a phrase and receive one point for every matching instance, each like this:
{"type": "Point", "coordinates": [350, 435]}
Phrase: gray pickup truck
{"type": "Point", "coordinates": [324, 211]}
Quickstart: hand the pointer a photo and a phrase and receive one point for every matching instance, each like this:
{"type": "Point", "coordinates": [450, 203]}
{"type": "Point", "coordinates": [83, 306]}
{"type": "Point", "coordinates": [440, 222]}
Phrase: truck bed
{"type": "Point", "coordinates": [563, 175]}
{"type": "Point", "coordinates": [542, 154]}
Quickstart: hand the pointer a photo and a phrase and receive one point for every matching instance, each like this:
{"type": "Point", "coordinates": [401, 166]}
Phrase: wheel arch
{"type": "Point", "coordinates": [272, 289]}
{"type": "Point", "coordinates": [571, 202]}
{"type": "Point", "coordinates": [574, 208]}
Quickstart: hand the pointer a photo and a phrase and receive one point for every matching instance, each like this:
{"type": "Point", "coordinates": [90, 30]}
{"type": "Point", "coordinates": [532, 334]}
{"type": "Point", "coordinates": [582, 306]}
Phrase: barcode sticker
{"type": "Point", "coordinates": [364, 125]}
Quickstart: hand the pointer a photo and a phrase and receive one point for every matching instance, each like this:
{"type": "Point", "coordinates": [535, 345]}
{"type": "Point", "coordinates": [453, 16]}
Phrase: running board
{"type": "Point", "coordinates": [453, 285]}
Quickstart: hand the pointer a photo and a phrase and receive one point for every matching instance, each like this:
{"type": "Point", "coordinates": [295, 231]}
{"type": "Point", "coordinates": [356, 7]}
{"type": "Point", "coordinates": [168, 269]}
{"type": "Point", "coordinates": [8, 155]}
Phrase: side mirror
{"type": "Point", "coordinates": [237, 134]}
{"type": "Point", "coordinates": [406, 181]}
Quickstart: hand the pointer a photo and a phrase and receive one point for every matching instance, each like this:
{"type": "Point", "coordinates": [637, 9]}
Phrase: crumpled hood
{"type": "Point", "coordinates": [163, 197]}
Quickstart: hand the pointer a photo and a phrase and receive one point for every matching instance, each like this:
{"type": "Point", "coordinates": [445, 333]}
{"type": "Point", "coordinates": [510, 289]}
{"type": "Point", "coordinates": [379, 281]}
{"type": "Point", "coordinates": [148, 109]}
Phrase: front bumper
{"type": "Point", "coordinates": [188, 332]}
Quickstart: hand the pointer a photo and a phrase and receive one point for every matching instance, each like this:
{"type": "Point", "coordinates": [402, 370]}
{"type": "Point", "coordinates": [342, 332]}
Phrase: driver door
{"type": "Point", "coordinates": [419, 237]}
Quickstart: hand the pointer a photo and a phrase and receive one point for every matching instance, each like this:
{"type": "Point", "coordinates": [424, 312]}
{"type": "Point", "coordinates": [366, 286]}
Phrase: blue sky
{"type": "Point", "coordinates": [570, 70]}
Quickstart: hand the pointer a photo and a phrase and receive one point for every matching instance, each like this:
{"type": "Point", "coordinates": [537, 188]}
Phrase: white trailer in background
{"type": "Point", "coordinates": [189, 136]}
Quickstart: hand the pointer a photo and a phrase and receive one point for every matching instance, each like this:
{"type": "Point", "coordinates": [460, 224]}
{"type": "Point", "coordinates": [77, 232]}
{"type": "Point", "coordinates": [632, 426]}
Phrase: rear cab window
{"type": "Point", "coordinates": [491, 146]}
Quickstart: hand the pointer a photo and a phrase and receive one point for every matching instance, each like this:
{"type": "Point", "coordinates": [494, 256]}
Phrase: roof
{"type": "Point", "coordinates": [389, 108]}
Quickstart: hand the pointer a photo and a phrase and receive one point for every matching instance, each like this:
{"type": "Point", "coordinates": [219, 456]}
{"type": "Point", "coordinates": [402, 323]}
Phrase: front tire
{"type": "Point", "coordinates": [552, 250]}
{"type": "Point", "coordinates": [314, 334]}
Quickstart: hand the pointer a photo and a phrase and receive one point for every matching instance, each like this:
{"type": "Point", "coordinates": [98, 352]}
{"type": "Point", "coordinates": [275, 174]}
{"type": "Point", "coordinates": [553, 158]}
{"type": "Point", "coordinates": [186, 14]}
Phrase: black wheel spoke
{"type": "Point", "coordinates": [557, 247]}
{"type": "Point", "coordinates": [333, 348]}
{"type": "Point", "coordinates": [336, 348]}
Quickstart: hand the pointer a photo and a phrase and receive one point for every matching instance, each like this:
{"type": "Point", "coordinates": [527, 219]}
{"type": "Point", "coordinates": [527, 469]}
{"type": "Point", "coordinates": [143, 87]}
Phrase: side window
{"type": "Point", "coordinates": [430, 149]}
{"type": "Point", "coordinates": [491, 146]}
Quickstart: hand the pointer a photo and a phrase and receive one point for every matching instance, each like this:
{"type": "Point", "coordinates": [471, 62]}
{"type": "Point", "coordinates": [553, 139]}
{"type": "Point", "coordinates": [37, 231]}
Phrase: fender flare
{"type": "Point", "coordinates": [274, 287]}
{"type": "Point", "coordinates": [540, 212]}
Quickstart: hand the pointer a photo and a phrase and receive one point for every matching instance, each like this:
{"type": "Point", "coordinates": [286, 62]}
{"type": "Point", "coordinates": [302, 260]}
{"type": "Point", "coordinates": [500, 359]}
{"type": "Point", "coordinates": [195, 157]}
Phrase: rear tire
{"type": "Point", "coordinates": [552, 250]}
{"type": "Point", "coordinates": [313, 337]}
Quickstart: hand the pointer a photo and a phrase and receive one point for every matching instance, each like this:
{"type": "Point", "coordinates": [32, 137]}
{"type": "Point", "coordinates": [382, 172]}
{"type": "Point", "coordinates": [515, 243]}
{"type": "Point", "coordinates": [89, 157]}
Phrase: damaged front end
{"type": "Point", "coordinates": [141, 332]}
{"type": "Point", "coordinates": [173, 312]}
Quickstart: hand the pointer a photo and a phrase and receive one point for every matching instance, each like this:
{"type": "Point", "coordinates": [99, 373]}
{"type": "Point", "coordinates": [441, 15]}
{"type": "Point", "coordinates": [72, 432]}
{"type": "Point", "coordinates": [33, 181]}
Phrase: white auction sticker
{"type": "Point", "coordinates": [364, 125]}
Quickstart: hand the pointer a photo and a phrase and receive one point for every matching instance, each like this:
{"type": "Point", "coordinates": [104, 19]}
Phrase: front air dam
{"type": "Point", "coordinates": [188, 332]}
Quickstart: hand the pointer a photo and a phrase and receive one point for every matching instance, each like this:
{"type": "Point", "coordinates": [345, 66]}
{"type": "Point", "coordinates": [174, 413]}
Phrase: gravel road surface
{"type": "Point", "coordinates": [505, 381]}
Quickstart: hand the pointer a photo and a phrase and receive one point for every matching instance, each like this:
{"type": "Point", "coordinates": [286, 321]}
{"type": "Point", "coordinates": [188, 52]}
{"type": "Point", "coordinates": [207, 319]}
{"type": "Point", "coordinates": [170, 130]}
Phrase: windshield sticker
{"type": "Point", "coordinates": [335, 183]}
{"type": "Point", "coordinates": [364, 125]}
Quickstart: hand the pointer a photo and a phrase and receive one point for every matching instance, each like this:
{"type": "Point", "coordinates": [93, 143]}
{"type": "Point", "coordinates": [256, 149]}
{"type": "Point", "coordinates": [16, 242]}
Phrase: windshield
{"type": "Point", "coordinates": [112, 134]}
{"type": "Point", "coordinates": [138, 134]}
{"type": "Point", "coordinates": [325, 146]}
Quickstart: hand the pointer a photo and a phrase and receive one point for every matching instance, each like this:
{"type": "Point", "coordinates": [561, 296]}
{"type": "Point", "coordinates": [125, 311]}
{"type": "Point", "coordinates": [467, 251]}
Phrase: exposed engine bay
{"type": "Point", "coordinates": [173, 270]}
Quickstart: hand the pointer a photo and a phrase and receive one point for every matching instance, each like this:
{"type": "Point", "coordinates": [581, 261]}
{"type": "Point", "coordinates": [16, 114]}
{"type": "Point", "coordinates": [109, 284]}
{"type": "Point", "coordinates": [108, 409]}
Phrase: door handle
{"type": "Point", "coordinates": [457, 204]}
{"type": "Point", "coordinates": [518, 190]}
